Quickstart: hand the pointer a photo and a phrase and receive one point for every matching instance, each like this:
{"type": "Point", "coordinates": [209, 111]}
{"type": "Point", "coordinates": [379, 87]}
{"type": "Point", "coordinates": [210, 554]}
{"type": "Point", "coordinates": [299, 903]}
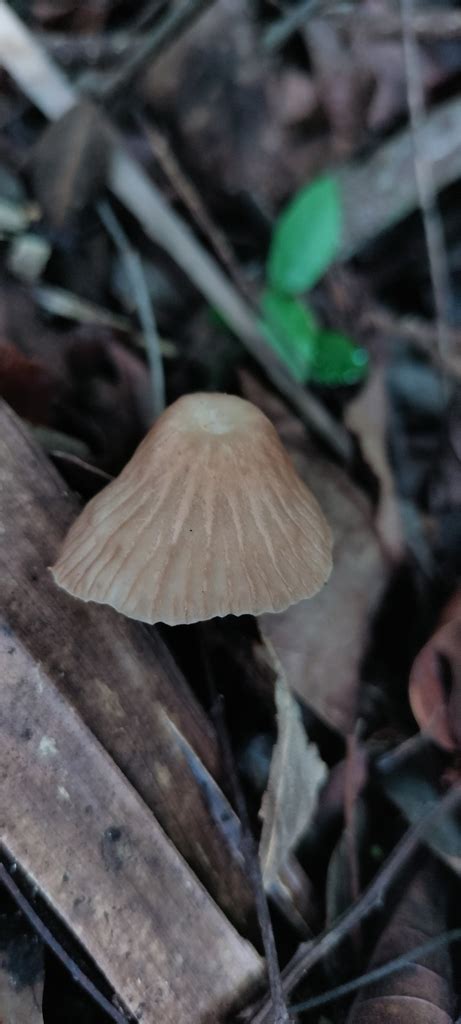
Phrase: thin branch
{"type": "Point", "coordinates": [378, 973]}
{"type": "Point", "coordinates": [310, 953]}
{"type": "Point", "coordinates": [176, 21]}
{"type": "Point", "coordinates": [94, 48]}
{"type": "Point", "coordinates": [350, 822]}
{"type": "Point", "coordinates": [420, 333]}
{"type": "Point", "coordinates": [429, 24]}
{"type": "Point", "coordinates": [278, 1013]}
{"type": "Point", "coordinates": [279, 33]}
{"type": "Point", "coordinates": [136, 278]}
{"type": "Point", "coordinates": [49, 940]}
{"type": "Point", "coordinates": [433, 229]}
{"type": "Point", "coordinates": [190, 196]}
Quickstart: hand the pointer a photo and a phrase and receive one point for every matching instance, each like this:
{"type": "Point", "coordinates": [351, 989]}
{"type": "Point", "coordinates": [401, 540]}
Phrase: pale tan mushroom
{"type": "Point", "coordinates": [209, 518]}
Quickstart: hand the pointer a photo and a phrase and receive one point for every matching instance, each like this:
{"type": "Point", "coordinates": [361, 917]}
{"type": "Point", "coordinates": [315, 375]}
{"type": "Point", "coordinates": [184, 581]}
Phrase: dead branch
{"type": "Point", "coordinates": [310, 953]}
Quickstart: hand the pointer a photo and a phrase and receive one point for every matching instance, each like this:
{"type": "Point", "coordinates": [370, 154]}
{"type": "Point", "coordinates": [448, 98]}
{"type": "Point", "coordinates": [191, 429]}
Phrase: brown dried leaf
{"type": "Point", "coordinates": [366, 416]}
{"type": "Point", "coordinates": [435, 682]}
{"type": "Point", "coordinates": [296, 775]}
{"type": "Point", "coordinates": [320, 643]}
{"type": "Point", "coordinates": [421, 993]}
{"type": "Point", "coordinates": [27, 385]}
{"type": "Point", "coordinates": [69, 164]}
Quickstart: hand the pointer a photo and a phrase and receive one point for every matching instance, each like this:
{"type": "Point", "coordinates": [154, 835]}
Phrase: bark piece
{"type": "Point", "coordinates": [93, 848]}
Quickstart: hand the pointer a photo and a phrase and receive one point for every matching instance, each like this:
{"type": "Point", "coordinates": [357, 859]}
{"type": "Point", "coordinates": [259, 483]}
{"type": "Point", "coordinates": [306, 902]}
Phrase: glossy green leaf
{"type": "Point", "coordinates": [291, 329]}
{"type": "Point", "coordinates": [337, 361]}
{"type": "Point", "coordinates": [306, 237]}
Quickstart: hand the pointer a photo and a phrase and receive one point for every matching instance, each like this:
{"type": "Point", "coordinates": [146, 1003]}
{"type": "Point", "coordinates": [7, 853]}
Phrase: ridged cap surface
{"type": "Point", "coordinates": [209, 518]}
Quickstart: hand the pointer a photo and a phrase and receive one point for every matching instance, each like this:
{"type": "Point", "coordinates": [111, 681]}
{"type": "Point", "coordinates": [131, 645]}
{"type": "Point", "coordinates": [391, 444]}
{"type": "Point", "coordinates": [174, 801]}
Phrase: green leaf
{"type": "Point", "coordinates": [306, 237]}
{"type": "Point", "coordinates": [336, 360]}
{"type": "Point", "coordinates": [290, 329]}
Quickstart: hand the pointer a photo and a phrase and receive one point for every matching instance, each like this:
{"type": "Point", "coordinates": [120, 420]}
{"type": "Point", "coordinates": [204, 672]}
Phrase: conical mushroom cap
{"type": "Point", "coordinates": [209, 518]}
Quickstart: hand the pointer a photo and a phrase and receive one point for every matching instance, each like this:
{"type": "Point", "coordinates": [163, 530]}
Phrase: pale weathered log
{"type": "Point", "coordinates": [117, 674]}
{"type": "Point", "coordinates": [94, 849]}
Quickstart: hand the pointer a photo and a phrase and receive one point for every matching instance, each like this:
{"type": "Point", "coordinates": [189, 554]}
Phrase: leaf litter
{"type": "Point", "coordinates": [346, 714]}
{"type": "Point", "coordinates": [296, 776]}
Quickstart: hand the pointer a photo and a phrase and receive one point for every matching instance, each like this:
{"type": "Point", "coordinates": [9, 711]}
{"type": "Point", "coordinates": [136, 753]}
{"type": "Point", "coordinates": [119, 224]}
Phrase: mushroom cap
{"type": "Point", "coordinates": [209, 518]}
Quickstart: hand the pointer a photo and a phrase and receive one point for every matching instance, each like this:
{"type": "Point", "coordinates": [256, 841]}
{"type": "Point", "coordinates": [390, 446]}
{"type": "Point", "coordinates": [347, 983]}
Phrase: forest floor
{"type": "Point", "coordinates": [261, 198]}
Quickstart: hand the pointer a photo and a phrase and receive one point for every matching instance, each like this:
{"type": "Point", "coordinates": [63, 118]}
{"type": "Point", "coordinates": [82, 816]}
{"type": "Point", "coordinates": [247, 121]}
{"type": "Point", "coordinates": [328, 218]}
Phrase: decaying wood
{"type": "Point", "coordinates": [91, 845]}
{"type": "Point", "coordinates": [117, 674]}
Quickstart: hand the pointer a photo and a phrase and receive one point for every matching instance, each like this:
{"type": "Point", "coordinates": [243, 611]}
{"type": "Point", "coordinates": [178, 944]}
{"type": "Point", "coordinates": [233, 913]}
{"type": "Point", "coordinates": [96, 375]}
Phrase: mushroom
{"type": "Point", "coordinates": [209, 518]}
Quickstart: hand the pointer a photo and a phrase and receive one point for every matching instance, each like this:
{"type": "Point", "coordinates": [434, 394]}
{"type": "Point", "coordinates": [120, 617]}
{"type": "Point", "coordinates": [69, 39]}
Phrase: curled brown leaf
{"type": "Point", "coordinates": [435, 681]}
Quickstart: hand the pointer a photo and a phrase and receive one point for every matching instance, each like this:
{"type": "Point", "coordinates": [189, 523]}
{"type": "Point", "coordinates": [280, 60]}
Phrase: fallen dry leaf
{"type": "Point", "coordinates": [366, 416]}
{"type": "Point", "coordinates": [421, 993]}
{"type": "Point", "coordinates": [320, 643]}
{"type": "Point", "coordinates": [69, 165]}
{"type": "Point", "coordinates": [296, 775]}
{"type": "Point", "coordinates": [435, 681]}
{"type": "Point", "coordinates": [27, 385]}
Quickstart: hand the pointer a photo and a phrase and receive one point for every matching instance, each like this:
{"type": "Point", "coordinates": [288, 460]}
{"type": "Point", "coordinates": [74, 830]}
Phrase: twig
{"type": "Point", "coordinates": [378, 973]}
{"type": "Point", "coordinates": [433, 230]}
{"type": "Point", "coordinates": [189, 195]}
{"type": "Point", "coordinates": [419, 332]}
{"type": "Point", "coordinates": [50, 91]}
{"type": "Point", "coordinates": [278, 1013]}
{"type": "Point", "coordinates": [97, 47]}
{"type": "Point", "coordinates": [136, 278]}
{"type": "Point", "coordinates": [350, 821]}
{"type": "Point", "coordinates": [77, 48]}
{"type": "Point", "coordinates": [49, 940]}
{"type": "Point", "coordinates": [428, 24]}
{"type": "Point", "coordinates": [147, 14]}
{"type": "Point", "coordinates": [431, 23]}
{"type": "Point", "coordinates": [279, 33]}
{"type": "Point", "coordinates": [310, 953]}
{"type": "Point", "coordinates": [176, 21]}
{"type": "Point", "coordinates": [61, 303]}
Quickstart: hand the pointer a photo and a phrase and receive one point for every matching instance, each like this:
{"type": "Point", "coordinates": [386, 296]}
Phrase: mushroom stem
{"type": "Point", "coordinates": [249, 848]}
